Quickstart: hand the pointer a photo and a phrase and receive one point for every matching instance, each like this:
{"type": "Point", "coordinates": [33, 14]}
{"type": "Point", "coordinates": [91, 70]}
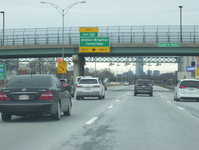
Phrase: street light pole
{"type": "Point", "coordinates": [2, 12]}
{"type": "Point", "coordinates": [180, 24]}
{"type": "Point", "coordinates": [63, 13]}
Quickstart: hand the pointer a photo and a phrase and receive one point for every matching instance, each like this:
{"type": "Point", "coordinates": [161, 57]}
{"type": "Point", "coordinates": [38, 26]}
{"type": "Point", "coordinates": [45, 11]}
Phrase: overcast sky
{"type": "Point", "coordinates": [33, 14]}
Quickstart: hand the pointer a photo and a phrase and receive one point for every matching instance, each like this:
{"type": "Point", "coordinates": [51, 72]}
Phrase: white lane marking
{"type": "Point", "coordinates": [117, 100]}
{"type": "Point", "coordinates": [168, 102]}
{"type": "Point", "coordinates": [111, 106]}
{"type": "Point", "coordinates": [181, 108]}
{"type": "Point", "coordinates": [91, 121]}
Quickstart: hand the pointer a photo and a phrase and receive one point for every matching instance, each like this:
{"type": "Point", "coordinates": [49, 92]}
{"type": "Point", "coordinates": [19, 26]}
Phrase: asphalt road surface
{"type": "Point", "coordinates": [120, 122]}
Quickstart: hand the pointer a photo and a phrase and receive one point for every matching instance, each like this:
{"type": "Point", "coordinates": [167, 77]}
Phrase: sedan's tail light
{"type": "Point", "coordinates": [4, 97]}
{"type": "Point", "coordinates": [197, 87]}
{"type": "Point", "coordinates": [46, 96]}
{"type": "Point", "coordinates": [79, 86]}
{"type": "Point", "coordinates": [96, 86]}
{"type": "Point", "coordinates": [182, 87]}
{"type": "Point", "coordinates": [65, 85]}
{"type": "Point", "coordinates": [151, 85]}
{"type": "Point", "coordinates": [136, 85]}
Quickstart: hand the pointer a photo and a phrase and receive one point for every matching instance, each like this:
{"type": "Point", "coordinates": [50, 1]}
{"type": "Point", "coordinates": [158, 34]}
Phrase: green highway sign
{"type": "Point", "coordinates": [95, 42]}
{"type": "Point", "coordinates": [2, 71]}
{"type": "Point", "coordinates": [89, 41]}
{"type": "Point", "coordinates": [88, 34]}
{"type": "Point", "coordinates": [168, 45]}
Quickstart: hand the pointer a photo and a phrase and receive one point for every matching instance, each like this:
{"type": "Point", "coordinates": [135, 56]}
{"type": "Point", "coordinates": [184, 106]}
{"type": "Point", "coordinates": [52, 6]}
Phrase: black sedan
{"type": "Point", "coordinates": [34, 95]}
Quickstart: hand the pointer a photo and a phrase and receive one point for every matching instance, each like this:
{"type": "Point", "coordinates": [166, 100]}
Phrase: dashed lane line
{"type": "Point", "coordinates": [169, 102]}
{"type": "Point", "coordinates": [91, 121]}
{"type": "Point", "coordinates": [181, 108]}
{"type": "Point", "coordinates": [109, 107]}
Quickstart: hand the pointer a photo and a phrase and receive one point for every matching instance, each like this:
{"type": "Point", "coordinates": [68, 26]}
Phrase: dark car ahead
{"type": "Point", "coordinates": [34, 95]}
{"type": "Point", "coordinates": [143, 86]}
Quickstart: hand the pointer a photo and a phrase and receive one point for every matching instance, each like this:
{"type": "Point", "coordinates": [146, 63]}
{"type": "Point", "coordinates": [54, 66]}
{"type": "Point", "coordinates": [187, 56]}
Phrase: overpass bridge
{"type": "Point", "coordinates": [125, 42]}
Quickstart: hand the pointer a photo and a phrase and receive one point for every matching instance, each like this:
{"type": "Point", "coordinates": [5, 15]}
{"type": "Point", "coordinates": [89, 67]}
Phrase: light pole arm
{"type": "Point", "coordinates": [60, 10]}
{"type": "Point", "coordinates": [70, 6]}
{"type": "Point", "coordinates": [55, 6]}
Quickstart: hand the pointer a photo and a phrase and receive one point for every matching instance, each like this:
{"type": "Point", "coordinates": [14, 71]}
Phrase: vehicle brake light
{"type": "Point", "coordinates": [65, 85]}
{"type": "Point", "coordinates": [79, 86]}
{"type": "Point", "coordinates": [46, 96]}
{"type": "Point", "coordinates": [96, 86]}
{"type": "Point", "coordinates": [151, 85]}
{"type": "Point", "coordinates": [197, 87]}
{"type": "Point", "coordinates": [4, 97]}
{"type": "Point", "coordinates": [136, 85]}
{"type": "Point", "coordinates": [182, 87]}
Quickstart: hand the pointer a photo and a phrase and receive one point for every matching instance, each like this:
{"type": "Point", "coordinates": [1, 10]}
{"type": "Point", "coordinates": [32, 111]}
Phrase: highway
{"type": "Point", "coordinates": [120, 122]}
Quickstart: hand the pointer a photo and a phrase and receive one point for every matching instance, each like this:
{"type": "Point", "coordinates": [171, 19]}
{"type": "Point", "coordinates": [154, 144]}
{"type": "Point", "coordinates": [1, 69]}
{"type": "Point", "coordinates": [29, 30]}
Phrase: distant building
{"type": "Point", "coordinates": [149, 73]}
{"type": "Point", "coordinates": [139, 69]}
{"type": "Point", "coordinates": [156, 73]}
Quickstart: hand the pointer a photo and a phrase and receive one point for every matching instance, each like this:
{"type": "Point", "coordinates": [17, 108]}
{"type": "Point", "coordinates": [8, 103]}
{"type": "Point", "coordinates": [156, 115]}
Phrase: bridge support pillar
{"type": "Point", "coordinates": [181, 64]}
{"type": "Point", "coordinates": [81, 65]}
{"type": "Point", "coordinates": [79, 62]}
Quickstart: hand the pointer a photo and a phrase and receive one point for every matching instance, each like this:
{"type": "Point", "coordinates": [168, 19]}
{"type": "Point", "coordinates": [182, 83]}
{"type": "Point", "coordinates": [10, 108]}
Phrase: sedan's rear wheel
{"type": "Point", "coordinates": [57, 116]}
{"type": "Point", "coordinates": [6, 117]}
{"type": "Point", "coordinates": [77, 98]}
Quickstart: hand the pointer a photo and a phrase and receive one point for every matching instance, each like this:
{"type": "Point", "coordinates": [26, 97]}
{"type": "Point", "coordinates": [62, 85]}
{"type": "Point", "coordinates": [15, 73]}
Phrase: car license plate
{"type": "Point", "coordinates": [87, 88]}
{"type": "Point", "coordinates": [23, 97]}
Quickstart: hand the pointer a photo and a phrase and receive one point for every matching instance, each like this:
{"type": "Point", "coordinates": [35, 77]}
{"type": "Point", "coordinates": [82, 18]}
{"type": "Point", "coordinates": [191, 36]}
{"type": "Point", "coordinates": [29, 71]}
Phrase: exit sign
{"type": "Point", "coordinates": [168, 45]}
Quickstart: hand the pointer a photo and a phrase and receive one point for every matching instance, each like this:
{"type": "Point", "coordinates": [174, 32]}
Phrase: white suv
{"type": "Point", "coordinates": [90, 87]}
{"type": "Point", "coordinates": [187, 89]}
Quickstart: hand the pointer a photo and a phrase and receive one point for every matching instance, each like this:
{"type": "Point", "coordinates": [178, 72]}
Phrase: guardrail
{"type": "Point", "coordinates": [117, 34]}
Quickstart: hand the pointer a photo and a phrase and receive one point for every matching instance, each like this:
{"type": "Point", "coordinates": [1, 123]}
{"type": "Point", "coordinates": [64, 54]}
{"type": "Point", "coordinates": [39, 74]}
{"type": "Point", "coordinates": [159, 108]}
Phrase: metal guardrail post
{"type": "Point", "coordinates": [168, 35]}
{"type": "Point", "coordinates": [157, 40]}
{"type": "Point", "coordinates": [144, 36]}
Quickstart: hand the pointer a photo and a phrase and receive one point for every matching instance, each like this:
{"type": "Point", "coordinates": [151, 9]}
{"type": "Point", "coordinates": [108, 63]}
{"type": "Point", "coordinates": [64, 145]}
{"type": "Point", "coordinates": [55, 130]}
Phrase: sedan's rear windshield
{"type": "Point", "coordinates": [63, 81]}
{"type": "Point", "coordinates": [88, 81]}
{"type": "Point", "coordinates": [28, 81]}
{"type": "Point", "coordinates": [143, 82]}
{"type": "Point", "coordinates": [190, 83]}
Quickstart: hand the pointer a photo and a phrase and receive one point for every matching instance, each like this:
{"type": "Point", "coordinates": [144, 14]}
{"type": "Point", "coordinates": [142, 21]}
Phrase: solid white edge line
{"type": "Point", "coordinates": [91, 121]}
